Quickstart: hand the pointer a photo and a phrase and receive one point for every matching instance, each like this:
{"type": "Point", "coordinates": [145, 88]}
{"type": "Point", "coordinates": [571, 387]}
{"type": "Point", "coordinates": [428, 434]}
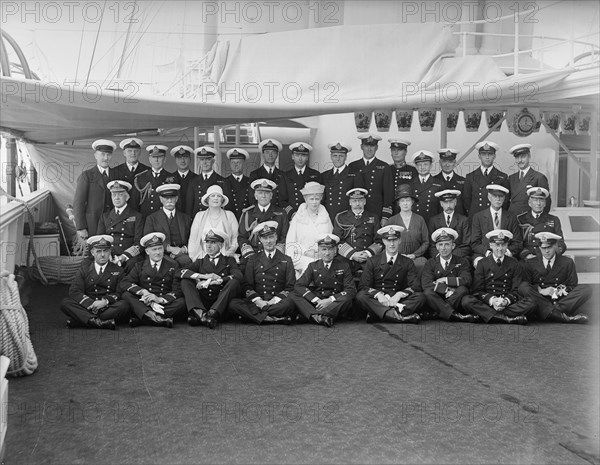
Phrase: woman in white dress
{"type": "Point", "coordinates": [310, 221]}
{"type": "Point", "coordinates": [215, 217]}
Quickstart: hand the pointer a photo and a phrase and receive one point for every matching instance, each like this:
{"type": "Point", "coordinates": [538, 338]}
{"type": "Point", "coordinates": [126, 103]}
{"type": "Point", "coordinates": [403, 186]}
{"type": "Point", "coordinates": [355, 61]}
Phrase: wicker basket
{"type": "Point", "coordinates": [58, 270]}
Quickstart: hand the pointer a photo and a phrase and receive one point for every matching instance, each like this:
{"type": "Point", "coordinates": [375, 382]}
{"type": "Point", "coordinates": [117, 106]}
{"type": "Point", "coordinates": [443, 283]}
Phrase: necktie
{"type": "Point", "coordinates": [486, 172]}
{"type": "Point", "coordinates": [499, 262]}
{"type": "Point", "coordinates": [105, 175]}
{"type": "Point", "coordinates": [521, 175]}
{"type": "Point", "coordinates": [336, 172]}
{"type": "Point", "coordinates": [132, 169]}
{"type": "Point", "coordinates": [536, 216]}
{"type": "Point", "coordinates": [445, 264]}
{"type": "Point", "coordinates": [213, 260]}
{"type": "Point", "coordinates": [447, 178]}
{"type": "Point", "coordinates": [391, 262]}
{"type": "Point", "coordinates": [496, 221]}
{"type": "Point", "coordinates": [102, 270]}
{"type": "Point", "coordinates": [448, 220]}
{"type": "Point", "coordinates": [182, 177]}
{"type": "Point", "coordinates": [422, 180]}
{"type": "Point", "coordinates": [206, 177]}
{"type": "Point", "coordinates": [155, 267]}
{"type": "Point", "coordinates": [171, 216]}
{"type": "Point", "coordinates": [155, 175]}
{"type": "Point", "coordinates": [366, 163]}
{"type": "Point", "coordinates": [270, 255]}
{"type": "Point", "coordinates": [548, 267]}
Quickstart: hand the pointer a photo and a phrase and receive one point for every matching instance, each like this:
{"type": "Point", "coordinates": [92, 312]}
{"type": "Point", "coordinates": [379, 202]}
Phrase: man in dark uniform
{"type": "Point", "coordinates": [326, 288]}
{"type": "Point", "coordinates": [183, 175]}
{"type": "Point", "coordinates": [124, 225]}
{"type": "Point", "coordinates": [338, 180]}
{"type": "Point", "coordinates": [270, 149]}
{"type": "Point", "coordinates": [269, 279]}
{"type": "Point", "coordinates": [92, 197]}
{"type": "Point", "coordinates": [524, 179]}
{"type": "Point", "coordinates": [495, 217]}
{"type": "Point", "coordinates": [497, 277]}
{"type": "Point", "coordinates": [207, 177]}
{"type": "Point", "coordinates": [132, 149]}
{"type": "Point", "coordinates": [237, 186]}
{"type": "Point", "coordinates": [210, 283]}
{"type": "Point", "coordinates": [262, 211]}
{"type": "Point", "coordinates": [475, 197]}
{"type": "Point", "coordinates": [403, 173]}
{"type": "Point", "coordinates": [357, 230]}
{"type": "Point", "coordinates": [94, 295]}
{"type": "Point", "coordinates": [146, 183]}
{"type": "Point", "coordinates": [551, 280]}
{"type": "Point", "coordinates": [151, 288]}
{"type": "Point", "coordinates": [449, 178]}
{"type": "Point", "coordinates": [446, 278]}
{"type": "Point", "coordinates": [425, 186]}
{"type": "Point", "coordinates": [536, 220]}
{"type": "Point", "coordinates": [174, 224]}
{"type": "Point", "coordinates": [450, 218]}
{"type": "Point", "coordinates": [389, 282]}
{"type": "Point", "coordinates": [376, 176]}
{"type": "Point", "coordinates": [295, 178]}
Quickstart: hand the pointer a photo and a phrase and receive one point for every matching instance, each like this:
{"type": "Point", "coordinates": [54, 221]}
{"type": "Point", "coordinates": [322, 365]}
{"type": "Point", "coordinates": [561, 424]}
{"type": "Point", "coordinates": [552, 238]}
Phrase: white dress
{"type": "Point", "coordinates": [202, 224]}
{"type": "Point", "coordinates": [301, 239]}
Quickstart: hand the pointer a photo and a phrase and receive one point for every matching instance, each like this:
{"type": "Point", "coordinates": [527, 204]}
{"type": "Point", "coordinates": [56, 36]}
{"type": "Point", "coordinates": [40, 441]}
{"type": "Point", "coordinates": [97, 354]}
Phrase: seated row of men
{"type": "Point", "coordinates": [157, 290]}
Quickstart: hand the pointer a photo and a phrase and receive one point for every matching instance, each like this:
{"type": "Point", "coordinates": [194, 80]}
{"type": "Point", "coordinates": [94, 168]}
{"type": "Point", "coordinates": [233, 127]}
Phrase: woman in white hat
{"type": "Point", "coordinates": [310, 221]}
{"type": "Point", "coordinates": [214, 217]}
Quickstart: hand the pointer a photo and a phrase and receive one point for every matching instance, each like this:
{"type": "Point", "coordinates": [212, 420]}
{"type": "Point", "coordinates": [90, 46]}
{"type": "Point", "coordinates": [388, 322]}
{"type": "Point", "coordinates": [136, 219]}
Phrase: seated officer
{"type": "Point", "coordinates": [210, 282]}
{"type": "Point", "coordinates": [450, 218]}
{"type": "Point", "coordinates": [326, 288]}
{"type": "Point", "coordinates": [495, 284]}
{"type": "Point", "coordinates": [536, 220]}
{"type": "Point", "coordinates": [151, 288]}
{"type": "Point", "coordinates": [174, 224]}
{"type": "Point", "coordinates": [388, 283]}
{"type": "Point", "coordinates": [357, 230]}
{"type": "Point", "coordinates": [94, 296]}
{"type": "Point", "coordinates": [446, 278]}
{"type": "Point", "coordinates": [551, 280]}
{"type": "Point", "coordinates": [269, 279]}
{"type": "Point", "coordinates": [124, 224]}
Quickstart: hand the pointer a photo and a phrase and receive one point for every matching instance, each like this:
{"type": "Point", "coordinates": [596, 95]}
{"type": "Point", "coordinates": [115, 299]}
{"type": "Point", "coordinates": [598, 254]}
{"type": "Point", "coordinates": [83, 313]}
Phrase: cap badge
{"type": "Point", "coordinates": [181, 150]}
{"type": "Point", "coordinates": [501, 235]}
{"type": "Point", "coordinates": [338, 146]}
{"type": "Point", "coordinates": [155, 150]}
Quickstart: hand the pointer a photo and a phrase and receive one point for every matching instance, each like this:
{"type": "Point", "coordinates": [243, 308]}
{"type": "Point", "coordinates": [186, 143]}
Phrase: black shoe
{"type": "Point", "coordinates": [428, 316]}
{"type": "Point", "coordinates": [413, 319]}
{"type": "Point", "coordinates": [517, 320]}
{"type": "Point", "coordinates": [101, 324]}
{"type": "Point", "coordinates": [193, 320]}
{"type": "Point", "coordinates": [463, 318]}
{"type": "Point", "coordinates": [370, 318]}
{"type": "Point", "coordinates": [394, 317]}
{"type": "Point", "coordinates": [209, 321]}
{"type": "Point", "coordinates": [580, 319]}
{"type": "Point", "coordinates": [323, 320]}
{"type": "Point", "coordinates": [158, 320]}
{"type": "Point", "coordinates": [275, 320]}
{"type": "Point", "coordinates": [134, 321]}
{"type": "Point", "coordinates": [71, 324]}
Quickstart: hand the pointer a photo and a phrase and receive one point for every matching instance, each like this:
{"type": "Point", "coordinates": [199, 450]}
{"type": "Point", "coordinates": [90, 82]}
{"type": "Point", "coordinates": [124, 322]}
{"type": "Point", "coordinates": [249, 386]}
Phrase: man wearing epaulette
{"type": "Point", "coordinates": [295, 178]}
{"type": "Point", "coordinates": [92, 197]}
{"type": "Point", "coordinates": [262, 211]}
{"type": "Point", "coordinates": [326, 288]}
{"type": "Point", "coordinates": [388, 285]}
{"type": "Point", "coordinates": [124, 224]}
{"type": "Point", "coordinates": [446, 279]}
{"type": "Point", "coordinates": [403, 173]}
{"type": "Point", "coordinates": [357, 230]}
{"type": "Point", "coordinates": [94, 295]}
{"type": "Point", "coordinates": [210, 283]}
{"type": "Point", "coordinates": [183, 175]}
{"type": "Point", "coordinates": [551, 280]}
{"type": "Point", "coordinates": [536, 220]}
{"type": "Point", "coordinates": [152, 288]}
{"type": "Point", "coordinates": [425, 186]}
{"type": "Point", "coordinates": [147, 182]}
{"type": "Point", "coordinates": [524, 179]}
{"type": "Point", "coordinates": [475, 196]}
{"type": "Point", "coordinates": [269, 278]}
{"type": "Point", "coordinates": [132, 149]}
{"type": "Point", "coordinates": [174, 224]}
{"type": "Point", "coordinates": [494, 293]}
{"type": "Point", "coordinates": [270, 149]}
{"type": "Point", "coordinates": [376, 176]}
{"type": "Point", "coordinates": [338, 180]}
{"type": "Point", "coordinates": [449, 178]}
{"type": "Point", "coordinates": [200, 184]}
{"type": "Point", "coordinates": [450, 218]}
{"type": "Point", "coordinates": [495, 217]}
{"type": "Point", "coordinates": [237, 185]}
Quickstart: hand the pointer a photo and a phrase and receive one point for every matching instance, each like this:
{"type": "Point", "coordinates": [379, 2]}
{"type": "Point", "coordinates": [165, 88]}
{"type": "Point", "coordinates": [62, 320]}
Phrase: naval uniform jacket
{"type": "Point", "coordinates": [197, 188]}
{"type": "Point", "coordinates": [461, 225]}
{"type": "Point", "coordinates": [159, 222]}
{"type": "Point", "coordinates": [92, 198]}
{"type": "Point", "coordinates": [457, 182]}
{"type": "Point", "coordinates": [123, 173]}
{"type": "Point", "coordinates": [519, 200]}
{"type": "Point", "coordinates": [238, 193]}
{"type": "Point", "coordinates": [403, 175]}
{"type": "Point", "coordinates": [483, 224]}
{"type": "Point", "coordinates": [378, 179]}
{"type": "Point", "coordinates": [163, 283]}
{"type": "Point", "coordinates": [146, 183]}
{"type": "Point", "coordinates": [87, 286]}
{"type": "Point", "coordinates": [428, 204]}
{"type": "Point", "coordinates": [184, 183]}
{"type": "Point", "coordinates": [268, 278]}
{"type": "Point", "coordinates": [562, 272]}
{"type": "Point", "coordinates": [321, 282]}
{"type": "Point", "coordinates": [253, 216]}
{"type": "Point", "coordinates": [291, 197]}
{"type": "Point", "coordinates": [491, 280]}
{"type": "Point", "coordinates": [126, 229]}
{"type": "Point", "coordinates": [475, 195]}
{"type": "Point", "coordinates": [357, 234]}
{"type": "Point", "coordinates": [530, 226]}
{"type": "Point", "coordinates": [335, 199]}
{"type": "Point", "coordinates": [379, 276]}
{"type": "Point", "coordinates": [457, 273]}
{"type": "Point", "coordinates": [262, 173]}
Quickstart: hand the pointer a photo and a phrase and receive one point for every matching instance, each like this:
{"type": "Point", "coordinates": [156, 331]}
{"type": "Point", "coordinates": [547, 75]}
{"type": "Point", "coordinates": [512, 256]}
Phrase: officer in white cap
{"type": "Point", "coordinates": [92, 197]}
{"type": "Point", "coordinates": [338, 180]}
{"type": "Point", "coordinates": [183, 176]}
{"type": "Point", "coordinates": [425, 186]}
{"type": "Point", "coordinates": [200, 184]}
{"type": "Point", "coordinates": [127, 171]}
{"type": "Point", "coordinates": [450, 218]}
{"type": "Point", "coordinates": [326, 288]}
{"type": "Point", "coordinates": [448, 176]}
{"type": "Point", "coordinates": [94, 299]}
{"type": "Point", "coordinates": [387, 289]}
{"type": "Point", "coordinates": [551, 280]}
{"type": "Point", "coordinates": [525, 178]}
{"type": "Point", "coordinates": [403, 172]}
{"type": "Point", "coordinates": [376, 176]}
{"type": "Point", "coordinates": [145, 183]}
{"type": "Point", "coordinates": [270, 149]}
{"type": "Point", "coordinates": [475, 196]}
{"type": "Point", "coordinates": [237, 184]}
{"type": "Point", "coordinates": [296, 177]}
{"type": "Point", "coordinates": [494, 293]}
{"type": "Point", "coordinates": [495, 217]}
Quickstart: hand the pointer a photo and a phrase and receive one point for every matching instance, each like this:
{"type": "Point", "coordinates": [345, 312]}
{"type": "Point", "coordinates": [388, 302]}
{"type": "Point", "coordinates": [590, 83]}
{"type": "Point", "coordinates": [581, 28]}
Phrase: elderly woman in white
{"type": "Point", "coordinates": [310, 221]}
{"type": "Point", "coordinates": [215, 217]}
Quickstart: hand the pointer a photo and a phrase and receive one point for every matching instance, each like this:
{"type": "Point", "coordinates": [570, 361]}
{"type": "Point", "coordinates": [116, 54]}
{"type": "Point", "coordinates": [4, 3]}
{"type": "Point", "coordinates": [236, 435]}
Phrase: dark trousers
{"type": "Point", "coordinates": [117, 311]}
{"type": "Point", "coordinates": [445, 307]}
{"type": "Point", "coordinates": [246, 309]}
{"type": "Point", "coordinates": [307, 309]}
{"type": "Point", "coordinates": [174, 309]}
{"type": "Point", "coordinates": [413, 303]}
{"type": "Point", "coordinates": [183, 260]}
{"type": "Point", "coordinates": [567, 304]}
{"type": "Point", "coordinates": [217, 299]}
{"type": "Point", "coordinates": [475, 306]}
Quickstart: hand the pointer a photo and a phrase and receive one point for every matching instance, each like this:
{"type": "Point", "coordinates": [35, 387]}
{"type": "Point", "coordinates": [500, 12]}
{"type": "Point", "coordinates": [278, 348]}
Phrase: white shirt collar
{"type": "Point", "coordinates": [525, 171]}
{"type": "Point", "coordinates": [340, 169]}
{"type": "Point", "coordinates": [152, 263]}
{"type": "Point", "coordinates": [130, 167]}
{"type": "Point", "coordinates": [425, 178]}
{"type": "Point", "coordinates": [102, 170]}
{"type": "Point", "coordinates": [448, 175]}
{"type": "Point", "coordinates": [120, 209]}
{"type": "Point", "coordinates": [168, 212]}
{"type": "Point", "coordinates": [493, 212]}
{"type": "Point", "coordinates": [551, 261]}
{"type": "Point", "coordinates": [368, 161]}
{"type": "Point", "coordinates": [98, 268]}
{"type": "Point", "coordinates": [156, 172]}
{"type": "Point", "coordinates": [262, 209]}
{"type": "Point", "coordinates": [300, 170]}
{"type": "Point", "coordinates": [483, 169]}
{"type": "Point", "coordinates": [393, 257]}
{"type": "Point", "coordinates": [183, 173]}
{"type": "Point", "coordinates": [238, 177]}
{"type": "Point", "coordinates": [209, 174]}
